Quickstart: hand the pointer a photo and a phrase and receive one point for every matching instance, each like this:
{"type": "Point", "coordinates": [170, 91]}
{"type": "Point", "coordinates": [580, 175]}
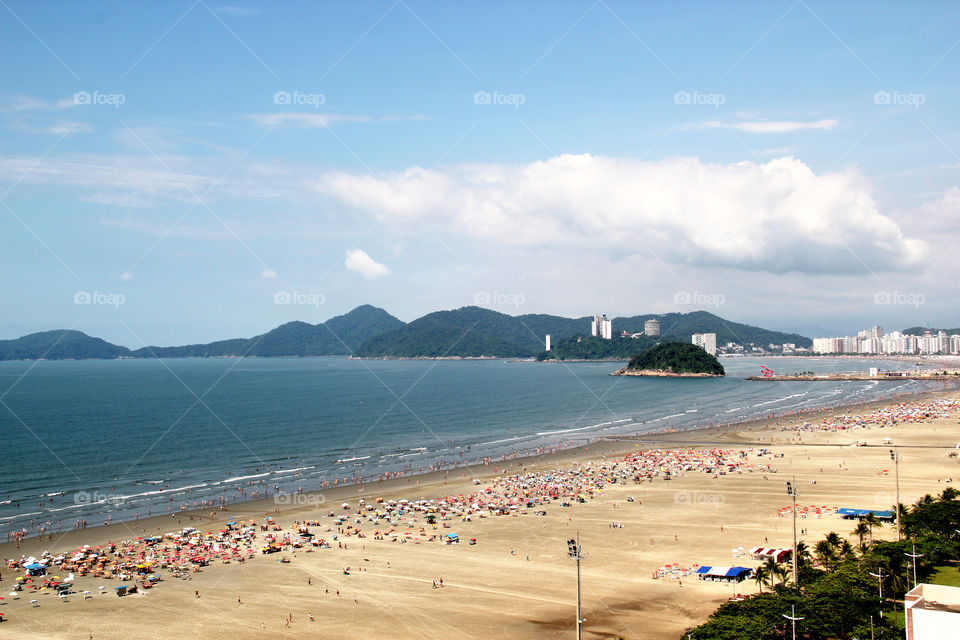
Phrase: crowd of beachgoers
{"type": "Point", "coordinates": [142, 563]}
{"type": "Point", "coordinates": [901, 413]}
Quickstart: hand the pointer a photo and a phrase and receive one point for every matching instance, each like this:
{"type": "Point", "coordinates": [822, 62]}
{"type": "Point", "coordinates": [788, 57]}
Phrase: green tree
{"type": "Point", "coordinates": [760, 576]}
{"type": "Point", "coordinates": [871, 521]}
{"type": "Point", "coordinates": [860, 531]}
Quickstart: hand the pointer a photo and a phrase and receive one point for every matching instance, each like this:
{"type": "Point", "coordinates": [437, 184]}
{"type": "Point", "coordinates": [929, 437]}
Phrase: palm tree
{"type": "Point", "coordinates": [861, 530]}
{"type": "Point", "coordinates": [760, 575]}
{"type": "Point", "coordinates": [803, 552]}
{"type": "Point", "coordinates": [871, 521]}
{"type": "Point", "coordinates": [824, 552]}
{"type": "Point", "coordinates": [949, 494]}
{"type": "Point", "coordinates": [845, 550]}
{"type": "Point", "coordinates": [772, 569]}
{"type": "Point", "coordinates": [833, 539]}
{"type": "Point", "coordinates": [782, 572]}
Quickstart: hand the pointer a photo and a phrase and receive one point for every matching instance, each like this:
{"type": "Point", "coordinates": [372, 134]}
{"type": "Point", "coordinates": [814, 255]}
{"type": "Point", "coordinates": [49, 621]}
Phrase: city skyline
{"type": "Point", "coordinates": [790, 165]}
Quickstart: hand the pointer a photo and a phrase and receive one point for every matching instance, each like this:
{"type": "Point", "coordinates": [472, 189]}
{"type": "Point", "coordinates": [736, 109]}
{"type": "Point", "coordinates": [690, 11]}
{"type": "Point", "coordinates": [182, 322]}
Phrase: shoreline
{"type": "Point", "coordinates": [324, 500]}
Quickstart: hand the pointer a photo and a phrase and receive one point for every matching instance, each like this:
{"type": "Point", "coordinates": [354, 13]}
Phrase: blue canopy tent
{"type": "Point", "coordinates": [452, 538]}
{"type": "Point", "coordinates": [36, 569]}
{"type": "Point", "coordinates": [724, 574]}
{"type": "Point", "coordinates": [857, 514]}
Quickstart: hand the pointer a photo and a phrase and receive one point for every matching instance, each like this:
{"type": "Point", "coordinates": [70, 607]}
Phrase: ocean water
{"type": "Point", "coordinates": [87, 439]}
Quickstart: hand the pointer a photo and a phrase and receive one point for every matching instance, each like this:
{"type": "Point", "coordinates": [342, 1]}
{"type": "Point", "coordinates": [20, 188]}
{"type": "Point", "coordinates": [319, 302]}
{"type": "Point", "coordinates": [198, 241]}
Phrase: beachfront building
{"type": "Point", "coordinates": [602, 327]}
{"type": "Point", "coordinates": [932, 612]}
{"type": "Point", "coordinates": [651, 327]}
{"type": "Point", "coordinates": [547, 343]}
{"type": "Point", "coordinates": [706, 341]}
{"type": "Point", "coordinates": [875, 341]}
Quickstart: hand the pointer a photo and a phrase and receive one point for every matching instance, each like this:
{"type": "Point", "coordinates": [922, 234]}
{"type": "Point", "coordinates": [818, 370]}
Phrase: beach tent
{"type": "Point", "coordinates": [36, 569]}
{"type": "Point", "coordinates": [857, 514]}
{"type": "Point", "coordinates": [723, 574]}
{"type": "Point", "coordinates": [778, 555]}
{"type": "Point", "coordinates": [452, 538]}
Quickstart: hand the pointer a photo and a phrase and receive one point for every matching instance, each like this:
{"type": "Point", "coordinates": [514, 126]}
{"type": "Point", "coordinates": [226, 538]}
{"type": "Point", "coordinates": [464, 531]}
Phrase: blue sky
{"type": "Point", "coordinates": [788, 164]}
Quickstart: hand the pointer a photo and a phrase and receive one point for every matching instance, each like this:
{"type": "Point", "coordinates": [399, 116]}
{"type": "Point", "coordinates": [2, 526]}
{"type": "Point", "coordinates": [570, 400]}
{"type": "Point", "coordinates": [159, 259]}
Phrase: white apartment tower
{"type": "Point", "coordinates": [602, 327]}
{"type": "Point", "coordinates": [706, 341]}
{"type": "Point", "coordinates": [547, 341]}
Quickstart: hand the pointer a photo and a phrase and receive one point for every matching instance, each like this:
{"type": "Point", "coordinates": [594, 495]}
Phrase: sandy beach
{"type": "Point", "coordinates": [516, 581]}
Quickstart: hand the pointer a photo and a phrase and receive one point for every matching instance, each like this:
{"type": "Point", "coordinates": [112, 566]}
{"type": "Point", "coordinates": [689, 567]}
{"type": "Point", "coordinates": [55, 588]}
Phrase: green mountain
{"type": "Point", "coordinates": [466, 332]}
{"type": "Point", "coordinates": [680, 326]}
{"type": "Point", "coordinates": [340, 335]}
{"type": "Point", "coordinates": [60, 344]}
{"type": "Point", "coordinates": [592, 348]}
{"type": "Point", "coordinates": [540, 325]}
{"type": "Point", "coordinates": [474, 331]}
{"type": "Point", "coordinates": [676, 357]}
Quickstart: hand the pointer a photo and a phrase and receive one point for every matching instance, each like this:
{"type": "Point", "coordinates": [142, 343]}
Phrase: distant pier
{"type": "Point", "coordinates": [889, 376]}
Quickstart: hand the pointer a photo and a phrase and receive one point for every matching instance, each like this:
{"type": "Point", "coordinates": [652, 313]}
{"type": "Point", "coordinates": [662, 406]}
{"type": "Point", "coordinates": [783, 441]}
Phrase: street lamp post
{"type": "Point", "coordinates": [792, 491]}
{"type": "Point", "coordinates": [576, 553]}
{"type": "Point", "coordinates": [879, 577]}
{"type": "Point", "coordinates": [914, 557]}
{"type": "Point", "coordinates": [793, 620]}
{"type": "Point", "coordinates": [896, 459]}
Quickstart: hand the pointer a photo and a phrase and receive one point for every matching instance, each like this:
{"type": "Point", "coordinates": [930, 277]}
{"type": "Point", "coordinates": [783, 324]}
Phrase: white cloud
{"type": "Point", "coordinates": [300, 120]}
{"type": "Point", "coordinates": [268, 273]}
{"type": "Point", "coordinates": [781, 126]}
{"type": "Point", "coordinates": [358, 261]}
{"type": "Point", "coordinates": [777, 216]}
{"type": "Point", "coordinates": [123, 180]}
{"type": "Point", "coordinates": [20, 103]}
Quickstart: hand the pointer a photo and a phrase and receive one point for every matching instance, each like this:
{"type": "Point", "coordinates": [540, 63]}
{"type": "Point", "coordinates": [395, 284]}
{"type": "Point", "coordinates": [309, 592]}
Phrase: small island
{"type": "Point", "coordinates": [673, 360]}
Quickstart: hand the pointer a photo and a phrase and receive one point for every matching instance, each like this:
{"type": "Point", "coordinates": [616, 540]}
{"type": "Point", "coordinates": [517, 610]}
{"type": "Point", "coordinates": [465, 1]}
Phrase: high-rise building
{"type": "Point", "coordinates": [547, 341]}
{"type": "Point", "coordinates": [602, 327]}
{"type": "Point", "coordinates": [706, 341]}
{"type": "Point", "coordinates": [651, 327]}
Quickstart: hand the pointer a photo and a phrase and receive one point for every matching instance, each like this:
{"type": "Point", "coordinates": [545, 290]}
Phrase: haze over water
{"type": "Point", "coordinates": [119, 437]}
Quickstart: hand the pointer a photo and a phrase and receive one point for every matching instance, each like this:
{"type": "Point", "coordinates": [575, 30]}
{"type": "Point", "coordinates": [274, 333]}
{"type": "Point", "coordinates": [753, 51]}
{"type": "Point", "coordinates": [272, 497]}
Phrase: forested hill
{"type": "Point", "coordinates": [340, 335]}
{"type": "Point", "coordinates": [677, 358]}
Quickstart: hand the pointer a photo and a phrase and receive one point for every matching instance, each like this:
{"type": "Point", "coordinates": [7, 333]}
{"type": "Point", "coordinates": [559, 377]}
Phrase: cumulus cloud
{"type": "Point", "coordinates": [781, 126]}
{"type": "Point", "coordinates": [358, 261]}
{"type": "Point", "coordinates": [777, 216]}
